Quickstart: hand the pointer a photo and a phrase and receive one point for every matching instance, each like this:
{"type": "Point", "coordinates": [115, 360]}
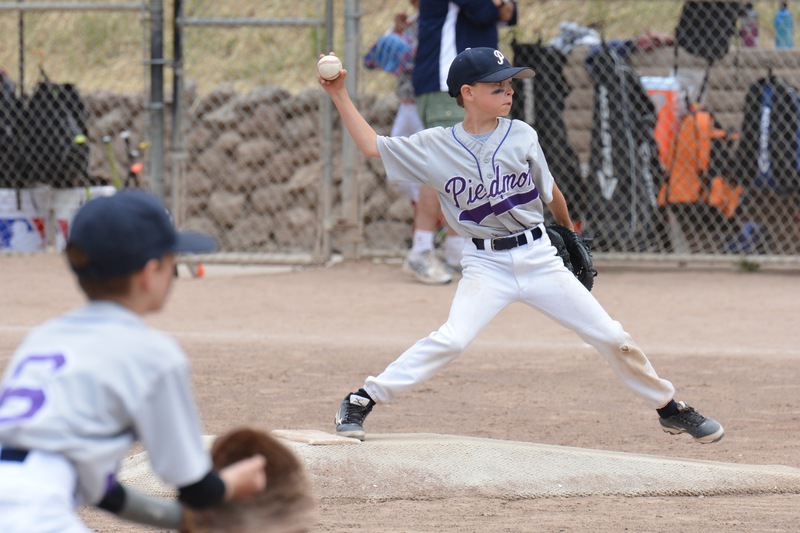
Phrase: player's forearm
{"type": "Point", "coordinates": [559, 208]}
{"type": "Point", "coordinates": [362, 133]}
{"type": "Point", "coordinates": [142, 508]}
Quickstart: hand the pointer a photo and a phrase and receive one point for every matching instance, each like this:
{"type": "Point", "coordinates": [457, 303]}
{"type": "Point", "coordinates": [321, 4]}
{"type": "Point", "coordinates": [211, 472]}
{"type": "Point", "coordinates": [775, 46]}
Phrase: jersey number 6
{"type": "Point", "coordinates": [21, 402]}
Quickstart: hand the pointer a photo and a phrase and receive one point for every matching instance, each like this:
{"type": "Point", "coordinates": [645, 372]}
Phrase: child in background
{"type": "Point", "coordinates": [394, 52]}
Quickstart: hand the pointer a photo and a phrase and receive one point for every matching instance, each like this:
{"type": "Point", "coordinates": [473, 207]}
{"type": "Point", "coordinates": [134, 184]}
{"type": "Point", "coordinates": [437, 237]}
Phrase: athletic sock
{"type": "Point", "coordinates": [668, 410]}
{"type": "Point", "coordinates": [454, 249]}
{"type": "Point", "coordinates": [423, 242]}
{"type": "Point", "coordinates": [361, 392]}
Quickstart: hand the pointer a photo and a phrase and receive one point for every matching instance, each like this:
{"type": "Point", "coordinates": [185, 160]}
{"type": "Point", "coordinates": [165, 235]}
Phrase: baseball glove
{"type": "Point", "coordinates": [287, 505]}
{"type": "Point", "coordinates": [575, 252]}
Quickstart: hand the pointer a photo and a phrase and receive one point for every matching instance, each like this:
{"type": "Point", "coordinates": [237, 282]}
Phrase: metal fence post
{"type": "Point", "coordinates": [177, 152]}
{"type": "Point", "coordinates": [323, 250]}
{"type": "Point", "coordinates": [156, 104]}
{"type": "Point", "coordinates": [351, 219]}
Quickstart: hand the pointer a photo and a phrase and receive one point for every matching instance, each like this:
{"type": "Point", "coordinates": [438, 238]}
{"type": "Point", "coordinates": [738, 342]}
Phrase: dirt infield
{"type": "Point", "coordinates": [280, 350]}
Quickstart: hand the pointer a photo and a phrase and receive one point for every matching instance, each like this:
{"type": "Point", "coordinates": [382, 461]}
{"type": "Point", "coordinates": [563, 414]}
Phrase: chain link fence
{"type": "Point", "coordinates": [253, 148]}
{"type": "Point", "coordinates": [672, 130]}
{"type": "Point", "coordinates": [654, 136]}
{"type": "Point", "coordinates": [672, 127]}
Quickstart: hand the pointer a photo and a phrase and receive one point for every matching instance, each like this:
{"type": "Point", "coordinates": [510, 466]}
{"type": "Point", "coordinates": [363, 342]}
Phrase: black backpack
{"type": "Point", "coordinates": [55, 145]}
{"type": "Point", "coordinates": [540, 102]}
{"type": "Point", "coordinates": [705, 30]}
{"type": "Point", "coordinates": [624, 171]}
{"type": "Point", "coordinates": [10, 117]}
{"type": "Point", "coordinates": [706, 27]}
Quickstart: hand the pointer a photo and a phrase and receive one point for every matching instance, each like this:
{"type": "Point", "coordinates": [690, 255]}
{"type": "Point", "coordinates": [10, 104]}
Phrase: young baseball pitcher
{"type": "Point", "coordinates": [81, 388]}
{"type": "Point", "coordinates": [493, 183]}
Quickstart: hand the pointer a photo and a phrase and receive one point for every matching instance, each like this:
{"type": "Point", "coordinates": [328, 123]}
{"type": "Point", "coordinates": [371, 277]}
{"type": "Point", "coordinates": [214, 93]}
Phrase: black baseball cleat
{"type": "Point", "coordinates": [350, 417]}
{"type": "Point", "coordinates": [704, 430]}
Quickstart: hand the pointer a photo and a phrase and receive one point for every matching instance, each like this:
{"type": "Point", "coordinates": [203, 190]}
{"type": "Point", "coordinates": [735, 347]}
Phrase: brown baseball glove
{"type": "Point", "coordinates": [287, 505]}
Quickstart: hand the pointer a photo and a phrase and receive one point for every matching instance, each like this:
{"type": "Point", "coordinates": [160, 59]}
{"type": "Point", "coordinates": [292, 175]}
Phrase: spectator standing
{"type": "Point", "coordinates": [748, 27]}
{"type": "Point", "coordinates": [784, 27]}
{"type": "Point", "coordinates": [446, 28]}
{"type": "Point", "coordinates": [394, 52]}
{"type": "Point", "coordinates": [407, 121]}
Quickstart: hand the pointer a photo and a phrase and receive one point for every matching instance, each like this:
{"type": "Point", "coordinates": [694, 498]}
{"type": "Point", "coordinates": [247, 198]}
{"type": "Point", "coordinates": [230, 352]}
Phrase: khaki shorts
{"type": "Point", "coordinates": [439, 109]}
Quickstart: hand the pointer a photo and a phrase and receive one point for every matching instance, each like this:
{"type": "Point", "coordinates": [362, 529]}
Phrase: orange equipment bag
{"type": "Point", "coordinates": [725, 195]}
{"type": "Point", "coordinates": [688, 159]}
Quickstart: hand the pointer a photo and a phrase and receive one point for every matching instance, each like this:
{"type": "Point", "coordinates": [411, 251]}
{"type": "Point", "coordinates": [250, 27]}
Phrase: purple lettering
{"type": "Point", "coordinates": [498, 187]}
{"type": "Point", "coordinates": [478, 193]}
{"type": "Point", "coordinates": [454, 187]}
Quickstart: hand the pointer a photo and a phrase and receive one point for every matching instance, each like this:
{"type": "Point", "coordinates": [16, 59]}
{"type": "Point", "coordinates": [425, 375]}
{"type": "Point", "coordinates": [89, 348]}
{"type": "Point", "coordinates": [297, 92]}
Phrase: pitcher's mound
{"type": "Point", "coordinates": [421, 466]}
{"type": "Point", "coordinates": [432, 466]}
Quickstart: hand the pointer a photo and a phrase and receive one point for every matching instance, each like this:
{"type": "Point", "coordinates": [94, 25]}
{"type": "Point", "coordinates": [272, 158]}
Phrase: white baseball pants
{"type": "Point", "coordinates": [37, 495]}
{"type": "Point", "coordinates": [532, 274]}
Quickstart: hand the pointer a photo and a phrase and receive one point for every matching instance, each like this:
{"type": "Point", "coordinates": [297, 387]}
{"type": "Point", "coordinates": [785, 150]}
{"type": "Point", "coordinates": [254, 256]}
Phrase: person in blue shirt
{"type": "Point", "coordinates": [784, 27]}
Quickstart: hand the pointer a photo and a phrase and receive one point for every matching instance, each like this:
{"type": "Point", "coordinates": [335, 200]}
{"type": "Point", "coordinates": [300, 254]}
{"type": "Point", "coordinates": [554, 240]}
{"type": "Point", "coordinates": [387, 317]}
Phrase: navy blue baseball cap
{"type": "Point", "coordinates": [120, 233]}
{"type": "Point", "coordinates": [482, 65]}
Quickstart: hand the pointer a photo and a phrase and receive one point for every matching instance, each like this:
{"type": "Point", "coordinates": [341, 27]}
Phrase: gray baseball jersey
{"type": "Point", "coordinates": [89, 383]}
{"type": "Point", "coordinates": [487, 189]}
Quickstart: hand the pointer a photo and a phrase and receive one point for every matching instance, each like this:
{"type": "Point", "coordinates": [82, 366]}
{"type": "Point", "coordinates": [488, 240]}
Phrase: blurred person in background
{"type": "Point", "coordinates": [394, 52]}
{"type": "Point", "coordinates": [446, 28]}
{"type": "Point", "coordinates": [748, 26]}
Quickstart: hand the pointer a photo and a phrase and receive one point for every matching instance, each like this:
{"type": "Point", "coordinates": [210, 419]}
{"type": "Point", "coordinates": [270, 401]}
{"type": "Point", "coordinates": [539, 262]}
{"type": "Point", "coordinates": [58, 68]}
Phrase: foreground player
{"type": "Point", "coordinates": [81, 388]}
{"type": "Point", "coordinates": [493, 182]}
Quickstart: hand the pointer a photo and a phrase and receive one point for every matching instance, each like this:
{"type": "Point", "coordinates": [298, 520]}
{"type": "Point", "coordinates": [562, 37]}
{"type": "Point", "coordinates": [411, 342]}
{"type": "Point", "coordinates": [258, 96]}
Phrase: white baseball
{"type": "Point", "coordinates": [329, 67]}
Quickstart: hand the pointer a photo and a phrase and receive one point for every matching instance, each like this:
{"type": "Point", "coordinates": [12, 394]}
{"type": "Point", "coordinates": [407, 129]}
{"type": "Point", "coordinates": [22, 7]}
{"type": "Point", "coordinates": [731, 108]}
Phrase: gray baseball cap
{"type": "Point", "coordinates": [482, 65]}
